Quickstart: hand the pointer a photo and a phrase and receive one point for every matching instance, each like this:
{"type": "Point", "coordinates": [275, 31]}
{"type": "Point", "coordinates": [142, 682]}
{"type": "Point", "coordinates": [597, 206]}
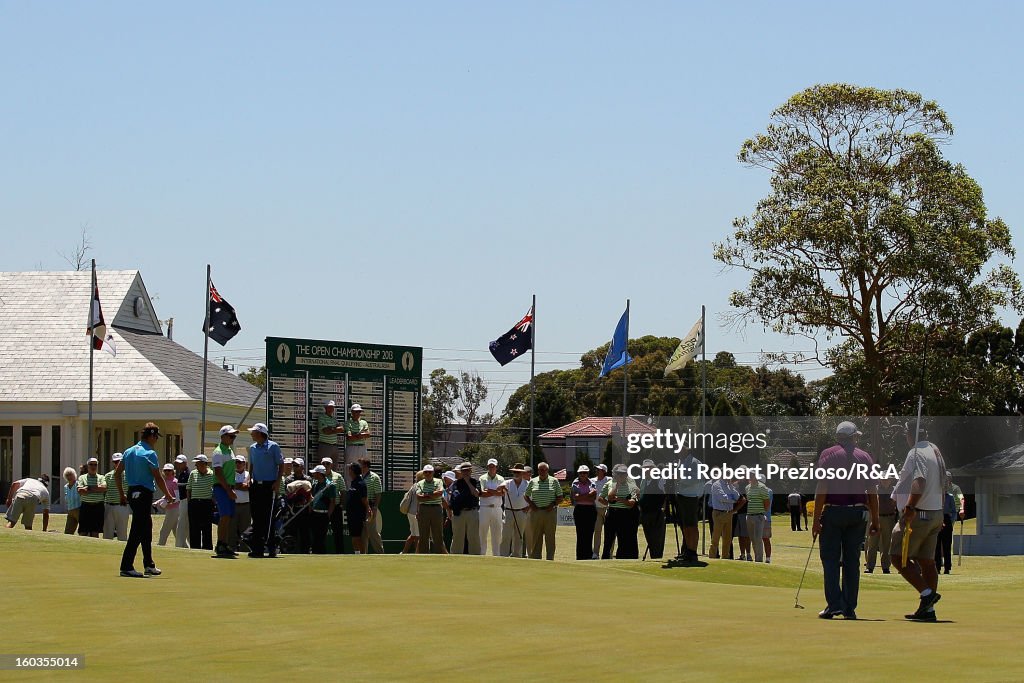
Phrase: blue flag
{"type": "Point", "coordinates": [618, 356]}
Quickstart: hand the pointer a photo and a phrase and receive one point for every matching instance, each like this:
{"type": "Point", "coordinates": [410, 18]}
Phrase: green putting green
{"type": "Point", "coordinates": [433, 617]}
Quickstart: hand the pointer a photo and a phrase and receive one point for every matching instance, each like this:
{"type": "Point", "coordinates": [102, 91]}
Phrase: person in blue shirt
{"type": "Point", "coordinates": [266, 465]}
{"type": "Point", "coordinates": [139, 470]}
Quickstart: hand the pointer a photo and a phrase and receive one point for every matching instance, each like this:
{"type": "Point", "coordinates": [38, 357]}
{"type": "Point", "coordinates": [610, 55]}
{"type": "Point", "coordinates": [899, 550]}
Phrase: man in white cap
{"type": "Point", "coordinates": [243, 516]}
{"type": "Point", "coordinates": [224, 489]}
{"type": "Point", "coordinates": [22, 499]}
{"type": "Point", "coordinates": [842, 509]}
{"type": "Point", "coordinates": [92, 487]}
{"type": "Point", "coordinates": [327, 430]}
{"type": "Point", "coordinates": [543, 495]}
{"type": "Point", "coordinates": [267, 470]}
{"type": "Point", "coordinates": [516, 508]}
{"type": "Point", "coordinates": [300, 524]}
{"type": "Point", "coordinates": [181, 473]}
{"type": "Point", "coordinates": [492, 486]}
{"type": "Point", "coordinates": [201, 483]}
{"type": "Point", "coordinates": [321, 508]}
{"type": "Point", "coordinates": [600, 508]}
{"type": "Point", "coordinates": [115, 513]}
{"type": "Point", "coordinates": [337, 517]}
{"type": "Point", "coordinates": [429, 514]}
{"type": "Point", "coordinates": [357, 434]}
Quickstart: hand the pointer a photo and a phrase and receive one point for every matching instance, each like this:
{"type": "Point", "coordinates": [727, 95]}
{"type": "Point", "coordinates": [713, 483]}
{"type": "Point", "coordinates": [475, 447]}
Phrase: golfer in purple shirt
{"type": "Point", "coordinates": [842, 510]}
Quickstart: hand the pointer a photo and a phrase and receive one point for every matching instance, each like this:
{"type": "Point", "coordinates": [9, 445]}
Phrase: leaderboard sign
{"type": "Point", "coordinates": [303, 374]}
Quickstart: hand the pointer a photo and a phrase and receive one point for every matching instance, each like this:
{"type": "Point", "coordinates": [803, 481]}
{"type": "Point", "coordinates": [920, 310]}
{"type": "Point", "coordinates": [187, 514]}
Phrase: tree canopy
{"type": "Point", "coordinates": [868, 232]}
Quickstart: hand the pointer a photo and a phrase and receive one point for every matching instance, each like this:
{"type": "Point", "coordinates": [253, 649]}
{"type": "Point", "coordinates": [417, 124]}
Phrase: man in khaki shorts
{"type": "Point", "coordinates": [918, 497]}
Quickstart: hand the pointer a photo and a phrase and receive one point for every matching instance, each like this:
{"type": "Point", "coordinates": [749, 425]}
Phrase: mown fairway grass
{"type": "Point", "coordinates": [433, 618]}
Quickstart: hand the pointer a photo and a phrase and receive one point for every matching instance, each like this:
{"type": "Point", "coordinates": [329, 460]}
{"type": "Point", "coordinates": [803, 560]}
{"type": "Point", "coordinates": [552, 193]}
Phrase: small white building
{"type": "Point", "coordinates": [44, 377]}
{"type": "Point", "coordinates": [999, 492]}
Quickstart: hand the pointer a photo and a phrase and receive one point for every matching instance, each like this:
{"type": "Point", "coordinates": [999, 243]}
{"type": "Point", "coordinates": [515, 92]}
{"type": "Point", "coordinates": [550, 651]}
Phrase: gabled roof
{"type": "Point", "coordinates": [1011, 458]}
{"type": "Point", "coordinates": [598, 427]}
{"type": "Point", "coordinates": [44, 350]}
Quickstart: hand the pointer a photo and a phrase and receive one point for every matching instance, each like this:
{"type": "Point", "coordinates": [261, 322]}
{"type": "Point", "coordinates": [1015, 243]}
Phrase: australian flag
{"type": "Point", "coordinates": [222, 324]}
{"type": "Point", "coordinates": [515, 342]}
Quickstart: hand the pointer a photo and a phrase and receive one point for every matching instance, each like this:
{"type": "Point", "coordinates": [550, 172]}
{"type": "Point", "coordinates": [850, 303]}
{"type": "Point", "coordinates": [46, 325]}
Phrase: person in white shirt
{"type": "Point", "coordinates": [243, 518]}
{"type": "Point", "coordinates": [22, 499]}
{"type": "Point", "coordinates": [918, 497]}
{"type": "Point", "coordinates": [171, 506]}
{"type": "Point", "coordinates": [602, 508]}
{"type": "Point", "coordinates": [516, 507]}
{"type": "Point", "coordinates": [492, 487]}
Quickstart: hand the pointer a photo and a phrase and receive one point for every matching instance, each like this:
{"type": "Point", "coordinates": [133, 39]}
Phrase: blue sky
{"type": "Point", "coordinates": [411, 173]}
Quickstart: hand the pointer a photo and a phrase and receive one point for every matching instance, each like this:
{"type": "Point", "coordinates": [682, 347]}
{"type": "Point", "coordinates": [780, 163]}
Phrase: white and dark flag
{"type": "Point", "coordinates": [689, 347]}
{"type": "Point", "coordinates": [96, 327]}
{"type": "Point", "coordinates": [222, 324]}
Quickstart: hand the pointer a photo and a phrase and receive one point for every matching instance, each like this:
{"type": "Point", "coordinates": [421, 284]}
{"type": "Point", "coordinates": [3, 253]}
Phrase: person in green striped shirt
{"type": "Point", "coordinates": [374, 523]}
{"type": "Point", "coordinates": [200, 485]}
{"type": "Point", "coordinates": [429, 514]}
{"type": "Point", "coordinates": [91, 487]}
{"type": "Point", "coordinates": [758, 498]}
{"type": "Point", "coordinates": [543, 494]}
{"type": "Point", "coordinates": [621, 495]}
{"type": "Point", "coordinates": [115, 513]}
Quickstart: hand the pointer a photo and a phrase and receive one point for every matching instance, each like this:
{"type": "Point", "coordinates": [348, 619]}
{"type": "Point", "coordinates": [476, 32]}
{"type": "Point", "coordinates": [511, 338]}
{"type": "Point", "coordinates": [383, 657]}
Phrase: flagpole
{"type": "Point", "coordinates": [703, 373]}
{"type": "Point", "coordinates": [206, 351]}
{"type": "Point", "coordinates": [92, 293]}
{"type": "Point", "coordinates": [703, 413]}
{"type": "Point", "coordinates": [625, 377]}
{"type": "Point", "coordinates": [533, 351]}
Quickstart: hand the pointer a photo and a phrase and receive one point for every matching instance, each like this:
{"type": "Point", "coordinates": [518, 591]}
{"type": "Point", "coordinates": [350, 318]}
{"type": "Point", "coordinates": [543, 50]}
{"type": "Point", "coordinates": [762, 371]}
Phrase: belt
{"type": "Point", "coordinates": [853, 505]}
{"type": "Point", "coordinates": [118, 504]}
{"type": "Point", "coordinates": [321, 512]}
{"type": "Point", "coordinates": [518, 509]}
{"type": "Point", "coordinates": [887, 514]}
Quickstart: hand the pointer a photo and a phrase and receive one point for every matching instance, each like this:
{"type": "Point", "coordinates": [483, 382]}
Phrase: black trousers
{"type": "Point", "coordinates": [652, 516]}
{"type": "Point", "coordinates": [622, 523]}
{"type": "Point", "coordinates": [794, 518]}
{"type": "Point", "coordinates": [338, 529]}
{"type": "Point", "coordinates": [611, 519]}
{"type": "Point", "coordinates": [302, 528]}
{"type": "Point", "coordinates": [944, 548]}
{"type": "Point", "coordinates": [261, 504]}
{"type": "Point", "coordinates": [200, 523]}
{"type": "Point", "coordinates": [318, 525]}
{"type": "Point", "coordinates": [140, 500]}
{"type": "Point", "coordinates": [584, 517]}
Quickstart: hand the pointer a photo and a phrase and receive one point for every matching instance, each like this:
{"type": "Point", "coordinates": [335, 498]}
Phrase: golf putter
{"type": "Point", "coordinates": [960, 546]}
{"type": "Point", "coordinates": [810, 552]}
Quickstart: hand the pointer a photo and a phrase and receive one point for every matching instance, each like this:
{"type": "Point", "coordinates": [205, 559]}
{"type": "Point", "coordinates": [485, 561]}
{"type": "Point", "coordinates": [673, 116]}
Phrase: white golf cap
{"type": "Point", "coordinates": [602, 466]}
{"type": "Point", "coordinates": [92, 461]}
{"type": "Point", "coordinates": [847, 429]}
{"type": "Point", "coordinates": [287, 461]}
{"type": "Point", "coordinates": [648, 463]}
{"type": "Point", "coordinates": [261, 428]}
{"type": "Point", "coordinates": [356, 408]}
{"type": "Point", "coordinates": [181, 458]}
{"type": "Point", "coordinates": [428, 468]}
{"type": "Point", "coordinates": [449, 475]}
{"type": "Point", "coordinates": [492, 461]}
{"type": "Point", "coordinates": [239, 458]}
{"type": "Point", "coordinates": [168, 467]}
{"type": "Point", "coordinates": [582, 468]}
{"type": "Point", "coordinates": [319, 469]}
{"type": "Point", "coordinates": [116, 457]}
{"type": "Point", "coordinates": [326, 461]}
{"type": "Point", "coordinates": [329, 404]}
{"type": "Point", "coordinates": [299, 461]}
{"type": "Point", "coordinates": [228, 429]}
{"type": "Point", "coordinates": [200, 458]}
